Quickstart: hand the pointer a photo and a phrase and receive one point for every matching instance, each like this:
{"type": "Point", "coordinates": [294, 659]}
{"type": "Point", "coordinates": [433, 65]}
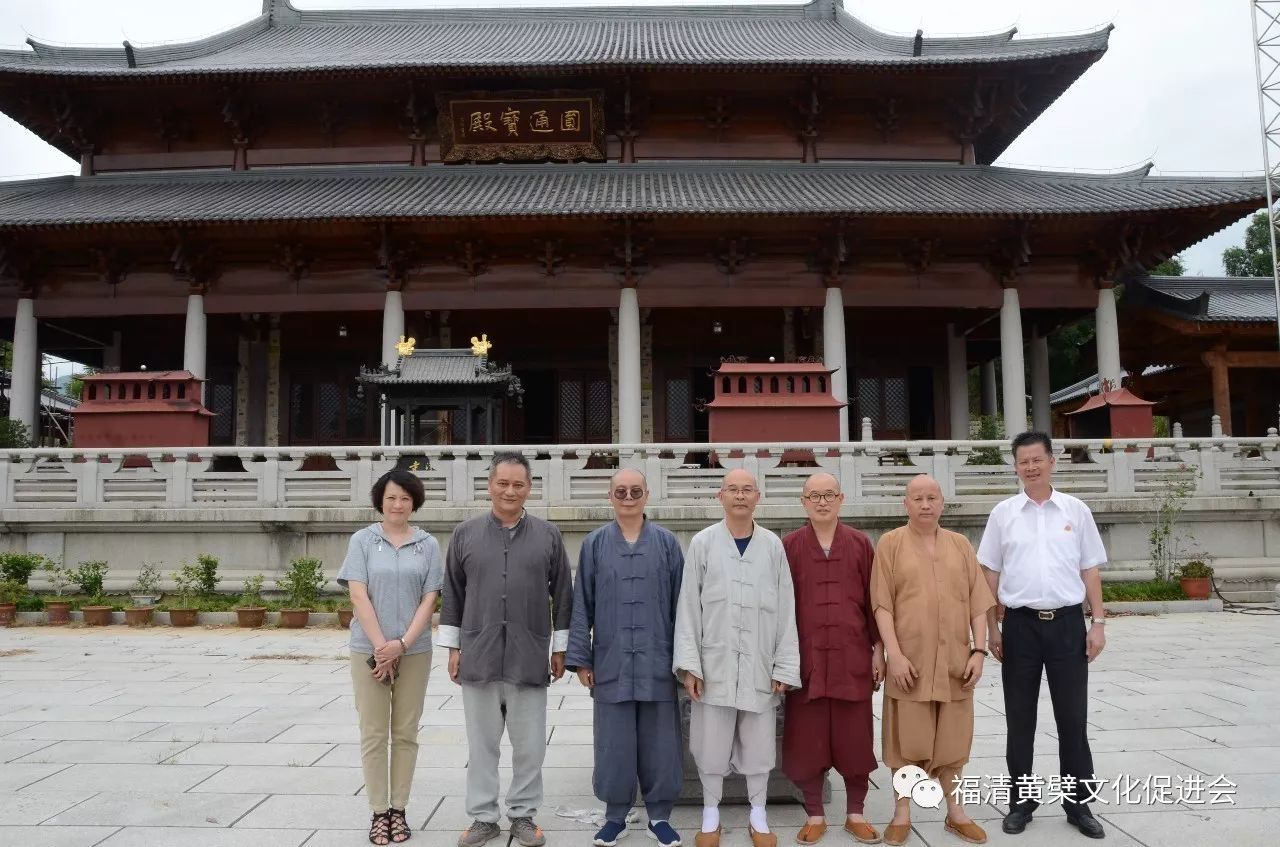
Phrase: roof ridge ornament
{"type": "Point", "coordinates": [280, 13]}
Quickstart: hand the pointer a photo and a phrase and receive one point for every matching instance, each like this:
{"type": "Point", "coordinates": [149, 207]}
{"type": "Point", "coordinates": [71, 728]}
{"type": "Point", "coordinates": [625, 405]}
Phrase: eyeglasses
{"type": "Point", "coordinates": [1035, 462]}
{"type": "Point", "coordinates": [822, 497]}
{"type": "Point", "coordinates": [745, 491]}
{"type": "Point", "coordinates": [635, 493]}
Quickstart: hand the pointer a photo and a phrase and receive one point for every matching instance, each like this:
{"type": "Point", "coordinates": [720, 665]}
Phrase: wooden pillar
{"type": "Point", "coordinates": [1221, 393]}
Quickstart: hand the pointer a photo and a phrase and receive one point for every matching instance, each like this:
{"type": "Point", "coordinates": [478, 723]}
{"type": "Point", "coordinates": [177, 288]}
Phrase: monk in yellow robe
{"type": "Point", "coordinates": [930, 600]}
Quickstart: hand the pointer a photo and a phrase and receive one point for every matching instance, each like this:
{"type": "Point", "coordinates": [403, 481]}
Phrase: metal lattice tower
{"type": "Point", "coordinates": [1265, 16]}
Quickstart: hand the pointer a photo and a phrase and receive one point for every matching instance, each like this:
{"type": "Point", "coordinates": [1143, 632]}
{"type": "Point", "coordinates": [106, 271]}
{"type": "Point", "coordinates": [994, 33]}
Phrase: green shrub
{"type": "Point", "coordinates": [18, 567]}
{"type": "Point", "coordinates": [188, 580]}
{"type": "Point", "coordinates": [12, 591]}
{"type": "Point", "coordinates": [252, 596]}
{"type": "Point", "coordinates": [1195, 569]}
{"type": "Point", "coordinates": [14, 434]}
{"type": "Point", "coordinates": [208, 567]}
{"type": "Point", "coordinates": [90, 576]}
{"type": "Point", "coordinates": [1128, 592]}
{"type": "Point", "coordinates": [302, 582]}
{"type": "Point", "coordinates": [148, 581]}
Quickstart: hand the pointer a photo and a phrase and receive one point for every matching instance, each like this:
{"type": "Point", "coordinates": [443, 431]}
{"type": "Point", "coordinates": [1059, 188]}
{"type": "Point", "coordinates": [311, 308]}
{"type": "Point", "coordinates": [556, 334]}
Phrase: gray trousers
{"type": "Point", "coordinates": [724, 740]}
{"type": "Point", "coordinates": [522, 711]}
{"type": "Point", "coordinates": [637, 740]}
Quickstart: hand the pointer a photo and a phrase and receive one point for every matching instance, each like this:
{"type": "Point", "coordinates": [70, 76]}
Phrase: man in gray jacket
{"type": "Point", "coordinates": [508, 599]}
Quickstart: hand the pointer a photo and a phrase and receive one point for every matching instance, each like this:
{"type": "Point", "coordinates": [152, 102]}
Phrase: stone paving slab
{"type": "Point", "coordinates": [224, 738]}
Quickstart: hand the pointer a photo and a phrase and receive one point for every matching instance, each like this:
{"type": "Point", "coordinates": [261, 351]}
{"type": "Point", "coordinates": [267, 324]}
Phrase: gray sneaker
{"type": "Point", "coordinates": [528, 833]}
{"type": "Point", "coordinates": [480, 832]}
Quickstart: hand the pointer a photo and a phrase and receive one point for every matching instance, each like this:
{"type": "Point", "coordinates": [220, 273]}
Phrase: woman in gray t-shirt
{"type": "Point", "coordinates": [394, 573]}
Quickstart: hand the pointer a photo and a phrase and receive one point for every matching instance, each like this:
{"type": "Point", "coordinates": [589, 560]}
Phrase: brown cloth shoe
{"type": "Point", "coordinates": [970, 831]}
{"type": "Point", "coordinates": [865, 833]}
{"type": "Point", "coordinates": [707, 839]}
{"type": "Point", "coordinates": [897, 833]}
{"type": "Point", "coordinates": [762, 839]}
{"type": "Point", "coordinates": [811, 833]}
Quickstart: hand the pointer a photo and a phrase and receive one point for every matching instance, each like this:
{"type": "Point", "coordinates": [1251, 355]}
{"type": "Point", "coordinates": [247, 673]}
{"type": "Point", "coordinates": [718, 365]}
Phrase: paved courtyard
{"type": "Point", "coordinates": [222, 737]}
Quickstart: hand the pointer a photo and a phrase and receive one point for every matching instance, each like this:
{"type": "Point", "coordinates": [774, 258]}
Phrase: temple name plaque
{"type": "Point", "coordinates": [522, 126]}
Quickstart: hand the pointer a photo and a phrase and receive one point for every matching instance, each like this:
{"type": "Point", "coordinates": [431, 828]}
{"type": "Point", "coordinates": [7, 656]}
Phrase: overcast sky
{"type": "Point", "coordinates": [1176, 87]}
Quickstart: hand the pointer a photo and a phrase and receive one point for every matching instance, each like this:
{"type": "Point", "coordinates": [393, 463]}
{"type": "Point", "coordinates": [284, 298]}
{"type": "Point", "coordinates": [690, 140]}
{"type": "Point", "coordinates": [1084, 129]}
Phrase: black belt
{"type": "Point", "coordinates": [1048, 614]}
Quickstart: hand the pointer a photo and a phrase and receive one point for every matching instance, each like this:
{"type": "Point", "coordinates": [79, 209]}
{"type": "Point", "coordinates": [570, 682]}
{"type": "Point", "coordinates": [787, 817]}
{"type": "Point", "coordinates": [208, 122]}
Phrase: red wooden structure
{"type": "Point", "coordinates": [144, 409]}
{"type": "Point", "coordinates": [774, 402]}
{"type": "Point", "coordinates": [1115, 414]}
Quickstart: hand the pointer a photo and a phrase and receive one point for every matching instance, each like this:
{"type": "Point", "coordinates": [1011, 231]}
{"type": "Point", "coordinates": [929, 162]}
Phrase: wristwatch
{"type": "Point", "coordinates": [979, 650]}
{"type": "Point", "coordinates": [1100, 621]}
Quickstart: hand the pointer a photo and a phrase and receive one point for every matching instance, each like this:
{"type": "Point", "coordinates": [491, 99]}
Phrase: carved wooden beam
{"type": "Point", "coordinates": [417, 120]}
{"type": "Point", "coordinates": [920, 253]}
{"type": "Point", "coordinates": [1008, 254]}
{"type": "Point", "coordinates": [809, 109]}
{"type": "Point", "coordinates": [631, 253]}
{"type": "Point", "coordinates": [550, 256]}
{"type": "Point", "coordinates": [732, 253]}
{"type": "Point", "coordinates": [21, 267]}
{"type": "Point", "coordinates": [718, 115]}
{"type": "Point", "coordinates": [168, 126]}
{"type": "Point", "coordinates": [194, 261]}
{"type": "Point", "coordinates": [294, 259]}
{"type": "Point", "coordinates": [886, 117]}
{"type": "Point", "coordinates": [238, 114]}
{"type": "Point", "coordinates": [832, 254]}
{"type": "Point", "coordinates": [112, 263]}
{"type": "Point", "coordinates": [1117, 251]}
{"type": "Point", "coordinates": [397, 257]}
{"type": "Point", "coordinates": [471, 257]}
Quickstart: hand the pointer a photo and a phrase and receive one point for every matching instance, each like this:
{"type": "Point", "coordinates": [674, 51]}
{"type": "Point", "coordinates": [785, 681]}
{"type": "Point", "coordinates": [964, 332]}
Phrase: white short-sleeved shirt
{"type": "Point", "coordinates": [1040, 550]}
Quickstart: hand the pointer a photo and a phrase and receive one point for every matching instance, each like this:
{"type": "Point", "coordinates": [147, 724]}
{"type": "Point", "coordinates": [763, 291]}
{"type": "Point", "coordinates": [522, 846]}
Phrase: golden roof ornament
{"type": "Point", "coordinates": [480, 346]}
{"type": "Point", "coordinates": [405, 346]}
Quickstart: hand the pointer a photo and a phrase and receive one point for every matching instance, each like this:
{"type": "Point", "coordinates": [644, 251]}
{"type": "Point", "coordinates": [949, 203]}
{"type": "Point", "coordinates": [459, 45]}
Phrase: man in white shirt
{"type": "Point", "coordinates": [1041, 553]}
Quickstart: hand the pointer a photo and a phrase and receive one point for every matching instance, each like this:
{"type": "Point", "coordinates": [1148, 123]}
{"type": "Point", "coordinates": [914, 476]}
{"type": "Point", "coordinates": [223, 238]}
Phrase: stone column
{"type": "Point", "coordinates": [273, 383]}
{"type": "Point", "coordinates": [195, 345]}
{"type": "Point", "coordinates": [1041, 413]}
{"type": "Point", "coordinates": [990, 405]}
{"type": "Point", "coordinates": [958, 383]}
{"type": "Point", "coordinates": [1107, 335]}
{"type": "Point", "coordinates": [1012, 368]}
{"type": "Point", "coordinates": [833, 352]}
{"type": "Point", "coordinates": [628, 367]}
{"type": "Point", "coordinates": [392, 327]}
{"type": "Point", "coordinates": [24, 383]}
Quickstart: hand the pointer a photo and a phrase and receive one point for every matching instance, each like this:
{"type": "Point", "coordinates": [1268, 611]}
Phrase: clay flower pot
{"type": "Point", "coordinates": [97, 615]}
{"type": "Point", "coordinates": [1196, 588]}
{"type": "Point", "coordinates": [138, 615]}
{"type": "Point", "coordinates": [344, 618]}
{"type": "Point", "coordinates": [183, 617]}
{"type": "Point", "coordinates": [251, 617]}
{"type": "Point", "coordinates": [294, 618]}
{"type": "Point", "coordinates": [58, 612]}
{"type": "Point", "coordinates": [8, 614]}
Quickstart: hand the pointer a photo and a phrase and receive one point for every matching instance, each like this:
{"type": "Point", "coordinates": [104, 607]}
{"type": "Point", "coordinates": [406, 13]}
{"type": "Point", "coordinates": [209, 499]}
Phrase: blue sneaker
{"type": "Point", "coordinates": [610, 834]}
{"type": "Point", "coordinates": [663, 833]}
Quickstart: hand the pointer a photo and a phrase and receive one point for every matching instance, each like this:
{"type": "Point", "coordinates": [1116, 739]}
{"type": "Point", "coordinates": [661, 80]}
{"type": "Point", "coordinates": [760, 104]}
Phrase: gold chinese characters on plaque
{"type": "Point", "coordinates": [522, 126]}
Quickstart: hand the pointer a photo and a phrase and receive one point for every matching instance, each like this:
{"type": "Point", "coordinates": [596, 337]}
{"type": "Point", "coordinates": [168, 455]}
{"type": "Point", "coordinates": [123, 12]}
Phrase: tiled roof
{"type": "Point", "coordinates": [442, 367]}
{"type": "Point", "coordinates": [1211, 299]}
{"type": "Point", "coordinates": [656, 188]}
{"type": "Point", "coordinates": [285, 40]}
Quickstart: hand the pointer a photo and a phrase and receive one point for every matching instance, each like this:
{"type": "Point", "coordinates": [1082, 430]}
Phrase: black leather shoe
{"type": "Point", "coordinates": [1015, 822]}
{"type": "Point", "coordinates": [1087, 824]}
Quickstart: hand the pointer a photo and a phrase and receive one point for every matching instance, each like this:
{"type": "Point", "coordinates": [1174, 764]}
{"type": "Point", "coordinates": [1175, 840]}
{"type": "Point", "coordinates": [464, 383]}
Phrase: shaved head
{"type": "Point", "coordinates": [738, 477]}
{"type": "Point", "coordinates": [923, 482]}
{"type": "Point", "coordinates": [821, 481]}
{"type": "Point", "coordinates": [628, 476]}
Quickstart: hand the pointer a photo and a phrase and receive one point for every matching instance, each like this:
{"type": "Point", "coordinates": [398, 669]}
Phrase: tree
{"type": "Point", "coordinates": [1173, 266]}
{"type": "Point", "coordinates": [1254, 258]}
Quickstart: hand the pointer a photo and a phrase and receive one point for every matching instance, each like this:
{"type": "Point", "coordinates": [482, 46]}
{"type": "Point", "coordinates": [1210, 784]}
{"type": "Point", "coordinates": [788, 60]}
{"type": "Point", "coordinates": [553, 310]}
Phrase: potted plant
{"type": "Point", "coordinates": [146, 588]}
{"type": "Point", "coordinates": [58, 612]}
{"type": "Point", "coordinates": [18, 567]}
{"type": "Point", "coordinates": [345, 614]}
{"type": "Point", "coordinates": [90, 577]}
{"type": "Point", "coordinates": [187, 579]}
{"type": "Point", "coordinates": [302, 583]}
{"type": "Point", "coordinates": [1195, 577]}
{"type": "Point", "coordinates": [144, 594]}
{"type": "Point", "coordinates": [207, 566]}
{"type": "Point", "coordinates": [11, 591]}
{"type": "Point", "coordinates": [250, 611]}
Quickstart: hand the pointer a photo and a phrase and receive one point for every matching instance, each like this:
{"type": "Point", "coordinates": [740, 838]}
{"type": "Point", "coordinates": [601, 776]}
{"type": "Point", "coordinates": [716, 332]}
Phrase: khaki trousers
{"type": "Point", "coordinates": [389, 711]}
{"type": "Point", "coordinates": [932, 735]}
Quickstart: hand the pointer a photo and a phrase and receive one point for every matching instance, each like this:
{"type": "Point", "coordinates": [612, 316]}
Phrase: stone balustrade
{"type": "Point", "coordinates": [578, 475]}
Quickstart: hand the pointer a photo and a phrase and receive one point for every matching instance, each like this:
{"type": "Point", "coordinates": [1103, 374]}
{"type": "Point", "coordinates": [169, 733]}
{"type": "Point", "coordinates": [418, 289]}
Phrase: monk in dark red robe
{"type": "Point", "coordinates": [828, 719]}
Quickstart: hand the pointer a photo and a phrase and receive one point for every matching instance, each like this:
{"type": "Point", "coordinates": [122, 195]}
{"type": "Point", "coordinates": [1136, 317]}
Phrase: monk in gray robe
{"type": "Point", "coordinates": [624, 616]}
{"type": "Point", "coordinates": [737, 652]}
